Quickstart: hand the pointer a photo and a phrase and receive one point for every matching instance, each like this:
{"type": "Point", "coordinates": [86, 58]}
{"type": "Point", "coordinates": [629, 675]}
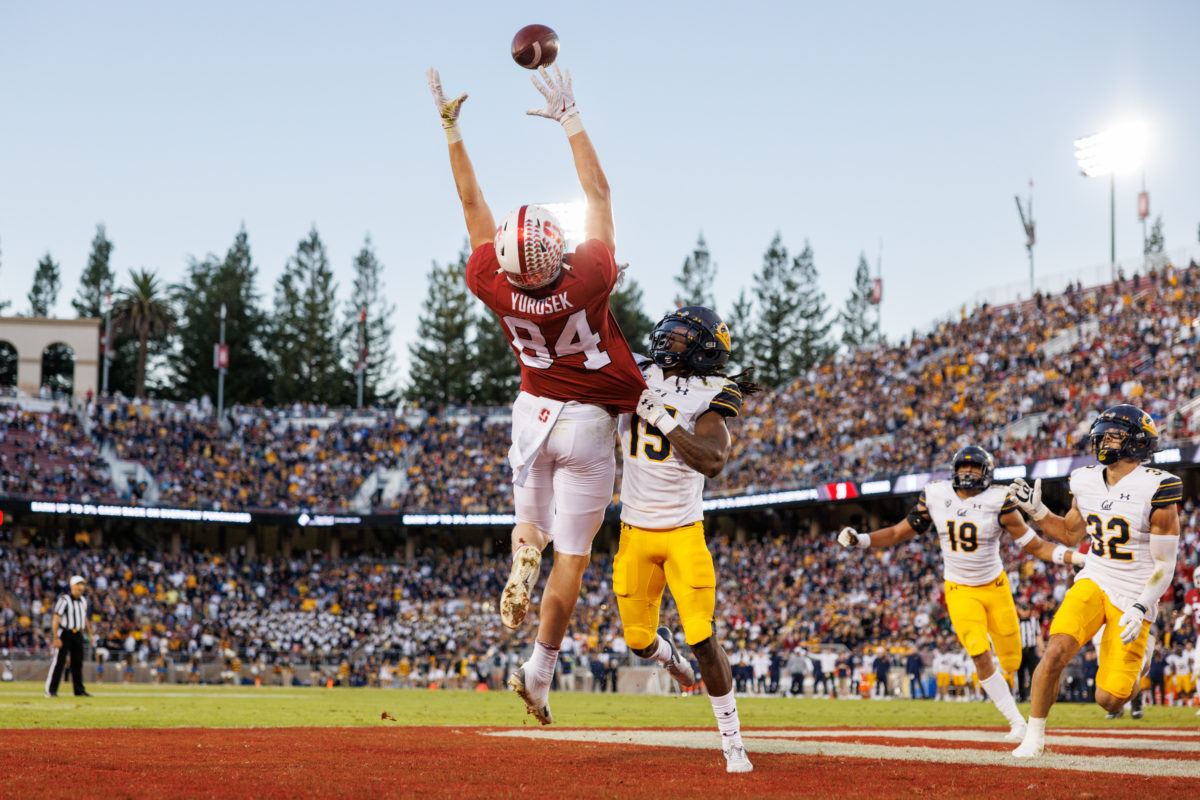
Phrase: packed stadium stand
{"type": "Point", "coordinates": [1023, 380]}
{"type": "Point", "coordinates": [256, 615]}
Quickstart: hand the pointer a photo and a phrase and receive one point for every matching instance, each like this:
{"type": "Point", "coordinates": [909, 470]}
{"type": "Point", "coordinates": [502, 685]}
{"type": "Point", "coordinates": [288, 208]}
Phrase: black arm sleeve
{"type": "Point", "coordinates": [919, 519]}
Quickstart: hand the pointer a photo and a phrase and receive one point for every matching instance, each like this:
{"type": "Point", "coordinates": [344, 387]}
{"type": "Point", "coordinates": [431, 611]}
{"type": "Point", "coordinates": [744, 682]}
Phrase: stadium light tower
{"type": "Point", "coordinates": [1120, 149]}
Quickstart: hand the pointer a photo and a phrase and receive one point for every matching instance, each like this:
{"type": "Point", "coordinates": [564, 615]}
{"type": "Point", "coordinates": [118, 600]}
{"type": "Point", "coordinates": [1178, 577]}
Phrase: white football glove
{"type": "Point", "coordinates": [848, 537]}
{"type": "Point", "coordinates": [560, 99]}
{"type": "Point", "coordinates": [448, 109]}
{"type": "Point", "coordinates": [1131, 623]}
{"type": "Point", "coordinates": [1029, 498]}
{"type": "Point", "coordinates": [651, 408]}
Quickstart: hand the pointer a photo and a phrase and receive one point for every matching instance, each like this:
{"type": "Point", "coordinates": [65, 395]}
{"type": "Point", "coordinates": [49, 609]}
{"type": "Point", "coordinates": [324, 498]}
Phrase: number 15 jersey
{"type": "Point", "coordinates": [564, 334]}
{"type": "Point", "coordinates": [1117, 519]}
{"type": "Point", "coordinates": [658, 490]}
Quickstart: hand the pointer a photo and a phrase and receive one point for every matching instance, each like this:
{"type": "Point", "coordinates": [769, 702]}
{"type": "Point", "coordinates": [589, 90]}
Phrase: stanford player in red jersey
{"type": "Point", "coordinates": [576, 372]}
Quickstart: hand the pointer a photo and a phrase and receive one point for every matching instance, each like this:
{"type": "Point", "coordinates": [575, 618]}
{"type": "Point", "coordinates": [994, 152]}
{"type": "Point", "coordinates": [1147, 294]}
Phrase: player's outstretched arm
{"type": "Point", "coordinates": [706, 450]}
{"type": "Point", "coordinates": [1068, 530]}
{"type": "Point", "coordinates": [481, 225]}
{"type": "Point", "coordinates": [1035, 545]}
{"type": "Point", "coordinates": [891, 536]}
{"type": "Point", "coordinates": [560, 106]}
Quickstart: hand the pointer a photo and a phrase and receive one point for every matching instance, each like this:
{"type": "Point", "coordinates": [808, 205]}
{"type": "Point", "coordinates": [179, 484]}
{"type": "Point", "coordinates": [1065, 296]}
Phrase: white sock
{"type": "Point", "coordinates": [725, 710]}
{"type": "Point", "coordinates": [1037, 728]}
{"type": "Point", "coordinates": [663, 654]}
{"type": "Point", "coordinates": [997, 689]}
{"type": "Point", "coordinates": [541, 664]}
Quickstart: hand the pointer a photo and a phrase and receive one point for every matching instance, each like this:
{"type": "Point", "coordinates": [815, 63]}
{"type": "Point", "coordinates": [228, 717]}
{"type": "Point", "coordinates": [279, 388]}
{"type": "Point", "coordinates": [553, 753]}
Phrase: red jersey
{"type": "Point", "coordinates": [564, 334]}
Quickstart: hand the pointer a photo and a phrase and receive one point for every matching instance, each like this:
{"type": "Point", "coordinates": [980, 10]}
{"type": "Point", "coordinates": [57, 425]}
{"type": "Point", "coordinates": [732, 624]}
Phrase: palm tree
{"type": "Point", "coordinates": [144, 311]}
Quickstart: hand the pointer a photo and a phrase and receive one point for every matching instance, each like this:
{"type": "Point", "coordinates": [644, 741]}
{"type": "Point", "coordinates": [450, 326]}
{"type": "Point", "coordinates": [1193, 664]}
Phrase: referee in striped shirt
{"type": "Point", "coordinates": [1031, 646]}
{"type": "Point", "coordinates": [69, 625]}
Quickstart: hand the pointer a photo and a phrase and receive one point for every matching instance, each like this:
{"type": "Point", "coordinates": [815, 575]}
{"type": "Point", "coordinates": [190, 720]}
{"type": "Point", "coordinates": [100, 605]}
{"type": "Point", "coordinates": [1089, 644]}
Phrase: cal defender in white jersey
{"type": "Point", "coordinates": [1129, 513]}
{"type": "Point", "coordinates": [1117, 523]}
{"type": "Point", "coordinates": [970, 515]}
{"type": "Point", "coordinates": [969, 531]}
{"type": "Point", "coordinates": [676, 439]}
{"type": "Point", "coordinates": [659, 490]}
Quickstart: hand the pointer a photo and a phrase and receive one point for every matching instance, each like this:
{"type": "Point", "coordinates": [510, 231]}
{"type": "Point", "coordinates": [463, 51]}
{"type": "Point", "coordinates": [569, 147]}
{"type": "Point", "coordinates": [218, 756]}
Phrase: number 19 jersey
{"type": "Point", "coordinates": [1117, 519]}
{"type": "Point", "coordinates": [658, 490]}
{"type": "Point", "coordinates": [569, 345]}
{"type": "Point", "coordinates": [969, 531]}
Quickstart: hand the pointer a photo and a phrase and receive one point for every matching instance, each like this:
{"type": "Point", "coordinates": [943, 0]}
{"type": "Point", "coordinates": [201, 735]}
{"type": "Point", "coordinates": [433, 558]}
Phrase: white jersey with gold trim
{"type": "Point", "coordinates": [1117, 519]}
{"type": "Point", "coordinates": [658, 490]}
{"type": "Point", "coordinates": [969, 531]}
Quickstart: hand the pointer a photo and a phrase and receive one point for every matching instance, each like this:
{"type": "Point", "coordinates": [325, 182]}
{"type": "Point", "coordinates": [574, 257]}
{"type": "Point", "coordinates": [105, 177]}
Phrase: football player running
{"type": "Point", "coordinates": [677, 438]}
{"type": "Point", "coordinates": [1129, 512]}
{"type": "Point", "coordinates": [577, 373]}
{"type": "Point", "coordinates": [970, 515]}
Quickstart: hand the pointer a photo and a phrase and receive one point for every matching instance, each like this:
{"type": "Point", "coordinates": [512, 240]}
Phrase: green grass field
{"type": "Point", "coordinates": [150, 706]}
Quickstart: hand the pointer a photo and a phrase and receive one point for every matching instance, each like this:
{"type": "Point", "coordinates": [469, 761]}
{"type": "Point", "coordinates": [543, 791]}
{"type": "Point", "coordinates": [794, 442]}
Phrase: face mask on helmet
{"type": "Point", "coordinates": [529, 246]}
{"type": "Point", "coordinates": [1123, 431]}
{"type": "Point", "coordinates": [693, 337]}
{"type": "Point", "coordinates": [972, 468]}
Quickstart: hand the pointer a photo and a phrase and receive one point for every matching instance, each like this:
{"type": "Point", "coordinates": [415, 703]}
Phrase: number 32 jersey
{"type": "Point", "coordinates": [1117, 520]}
{"type": "Point", "coordinates": [564, 334]}
{"type": "Point", "coordinates": [658, 490]}
{"type": "Point", "coordinates": [969, 531]}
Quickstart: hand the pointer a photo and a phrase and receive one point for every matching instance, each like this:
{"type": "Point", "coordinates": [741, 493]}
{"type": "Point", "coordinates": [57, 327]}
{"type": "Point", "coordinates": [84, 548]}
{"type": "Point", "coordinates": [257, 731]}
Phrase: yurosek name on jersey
{"type": "Point", "coordinates": [524, 304]}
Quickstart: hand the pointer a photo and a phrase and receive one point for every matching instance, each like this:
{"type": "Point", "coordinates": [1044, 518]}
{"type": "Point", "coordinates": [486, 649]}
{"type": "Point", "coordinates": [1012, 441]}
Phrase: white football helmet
{"type": "Point", "coordinates": [529, 246]}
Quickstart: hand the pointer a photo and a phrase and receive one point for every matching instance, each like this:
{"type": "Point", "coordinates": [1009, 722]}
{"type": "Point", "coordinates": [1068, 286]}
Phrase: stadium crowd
{"type": "Point", "coordinates": [49, 455]}
{"type": "Point", "coordinates": [1053, 362]}
{"type": "Point", "coordinates": [784, 604]}
{"type": "Point", "coordinates": [902, 409]}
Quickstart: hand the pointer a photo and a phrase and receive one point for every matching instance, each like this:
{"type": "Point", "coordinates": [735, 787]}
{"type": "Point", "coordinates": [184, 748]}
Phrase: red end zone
{"type": "Point", "coordinates": [529, 763]}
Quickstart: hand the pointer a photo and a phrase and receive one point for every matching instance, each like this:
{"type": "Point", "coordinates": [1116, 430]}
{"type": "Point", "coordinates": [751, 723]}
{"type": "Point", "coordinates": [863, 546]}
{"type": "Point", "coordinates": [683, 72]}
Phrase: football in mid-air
{"type": "Point", "coordinates": [535, 46]}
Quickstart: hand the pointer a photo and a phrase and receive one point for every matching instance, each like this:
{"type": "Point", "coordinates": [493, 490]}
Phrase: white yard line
{"type": "Point", "coordinates": [756, 741]}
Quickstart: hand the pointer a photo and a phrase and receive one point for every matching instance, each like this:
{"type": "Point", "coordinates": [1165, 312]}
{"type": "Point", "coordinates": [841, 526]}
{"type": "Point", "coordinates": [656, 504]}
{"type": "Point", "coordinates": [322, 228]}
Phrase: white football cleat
{"type": "Point", "coordinates": [1030, 748]}
{"type": "Point", "coordinates": [677, 668]}
{"type": "Point", "coordinates": [514, 600]}
{"type": "Point", "coordinates": [735, 757]}
{"type": "Point", "coordinates": [1017, 732]}
{"type": "Point", "coordinates": [540, 708]}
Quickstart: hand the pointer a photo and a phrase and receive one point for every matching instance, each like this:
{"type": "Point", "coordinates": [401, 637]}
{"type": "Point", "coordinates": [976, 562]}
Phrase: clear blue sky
{"type": "Point", "coordinates": [912, 124]}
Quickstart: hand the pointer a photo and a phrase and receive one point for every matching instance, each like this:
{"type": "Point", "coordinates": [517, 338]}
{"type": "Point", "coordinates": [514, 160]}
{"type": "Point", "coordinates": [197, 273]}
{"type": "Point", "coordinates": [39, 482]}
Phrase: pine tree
{"type": "Point", "coordinates": [1155, 242]}
{"type": "Point", "coordinates": [626, 305]}
{"type": "Point", "coordinates": [97, 281]}
{"type": "Point", "coordinates": [812, 325]}
{"type": "Point", "coordinates": [441, 365]}
{"type": "Point", "coordinates": [376, 334]}
{"type": "Point", "coordinates": [776, 335]}
{"type": "Point", "coordinates": [46, 283]}
{"type": "Point", "coordinates": [695, 279]}
{"type": "Point", "coordinates": [211, 283]}
{"type": "Point", "coordinates": [857, 319]}
{"type": "Point", "coordinates": [304, 339]}
{"type": "Point", "coordinates": [741, 332]}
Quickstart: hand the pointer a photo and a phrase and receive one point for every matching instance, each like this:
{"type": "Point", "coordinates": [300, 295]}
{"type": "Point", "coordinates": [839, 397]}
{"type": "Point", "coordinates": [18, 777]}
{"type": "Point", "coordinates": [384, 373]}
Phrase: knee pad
{"type": "Point", "coordinates": [639, 638]}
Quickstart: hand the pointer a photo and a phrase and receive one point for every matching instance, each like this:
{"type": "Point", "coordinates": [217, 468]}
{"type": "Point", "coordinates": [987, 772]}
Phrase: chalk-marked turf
{"type": "Point", "coordinates": [762, 742]}
{"type": "Point", "coordinates": [1114, 741]}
